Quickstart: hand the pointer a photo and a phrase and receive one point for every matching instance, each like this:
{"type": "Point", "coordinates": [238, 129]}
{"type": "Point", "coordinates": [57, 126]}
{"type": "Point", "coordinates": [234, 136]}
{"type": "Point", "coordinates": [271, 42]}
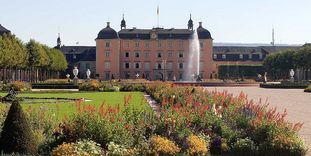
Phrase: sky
{"type": "Point", "coordinates": [229, 21]}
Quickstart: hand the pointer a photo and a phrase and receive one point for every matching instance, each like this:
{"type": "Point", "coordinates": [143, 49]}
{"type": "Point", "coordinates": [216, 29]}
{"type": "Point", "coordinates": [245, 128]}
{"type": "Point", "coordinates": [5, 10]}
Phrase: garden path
{"type": "Point", "coordinates": [297, 103]}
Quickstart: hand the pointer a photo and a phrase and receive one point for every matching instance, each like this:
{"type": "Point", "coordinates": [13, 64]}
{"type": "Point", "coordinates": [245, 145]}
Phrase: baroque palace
{"type": "Point", "coordinates": [157, 53]}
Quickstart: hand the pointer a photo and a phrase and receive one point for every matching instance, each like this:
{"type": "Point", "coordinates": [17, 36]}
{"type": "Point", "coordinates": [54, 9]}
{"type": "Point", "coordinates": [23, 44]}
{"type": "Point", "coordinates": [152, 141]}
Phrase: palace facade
{"type": "Point", "coordinates": [158, 53]}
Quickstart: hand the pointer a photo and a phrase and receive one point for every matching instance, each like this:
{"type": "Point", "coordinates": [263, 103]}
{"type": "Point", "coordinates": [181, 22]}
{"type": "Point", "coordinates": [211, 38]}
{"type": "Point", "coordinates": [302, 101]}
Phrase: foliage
{"type": "Point", "coordinates": [287, 85]}
{"type": "Point", "coordinates": [196, 145]}
{"type": "Point", "coordinates": [16, 135]}
{"type": "Point", "coordinates": [279, 64]}
{"type": "Point", "coordinates": [115, 150]}
{"type": "Point", "coordinates": [238, 71]}
{"type": "Point", "coordinates": [244, 147]}
{"type": "Point", "coordinates": [163, 146]}
{"type": "Point", "coordinates": [81, 148]}
{"type": "Point", "coordinates": [308, 89]}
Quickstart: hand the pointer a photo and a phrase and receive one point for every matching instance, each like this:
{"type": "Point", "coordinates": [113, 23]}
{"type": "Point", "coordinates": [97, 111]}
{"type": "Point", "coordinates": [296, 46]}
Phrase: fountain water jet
{"type": "Point", "coordinates": [193, 59]}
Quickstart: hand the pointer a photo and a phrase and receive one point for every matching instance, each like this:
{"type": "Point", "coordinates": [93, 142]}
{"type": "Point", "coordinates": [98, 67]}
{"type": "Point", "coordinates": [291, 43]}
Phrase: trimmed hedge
{"type": "Point", "coordinates": [287, 85]}
{"type": "Point", "coordinates": [54, 86]}
{"type": "Point", "coordinates": [237, 71]}
{"type": "Point", "coordinates": [308, 89]}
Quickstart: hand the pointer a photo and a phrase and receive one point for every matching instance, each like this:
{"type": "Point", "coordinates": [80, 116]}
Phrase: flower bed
{"type": "Point", "coordinates": [285, 85]}
{"type": "Point", "coordinates": [308, 89]}
{"type": "Point", "coordinates": [192, 121]}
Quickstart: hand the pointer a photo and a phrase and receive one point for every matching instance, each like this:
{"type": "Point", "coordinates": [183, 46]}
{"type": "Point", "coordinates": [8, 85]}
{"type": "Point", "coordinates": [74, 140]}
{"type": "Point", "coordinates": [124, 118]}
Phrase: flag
{"type": "Point", "coordinates": [158, 10]}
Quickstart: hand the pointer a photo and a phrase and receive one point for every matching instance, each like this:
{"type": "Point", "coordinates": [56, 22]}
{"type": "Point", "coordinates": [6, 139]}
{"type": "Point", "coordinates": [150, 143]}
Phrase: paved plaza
{"type": "Point", "coordinates": [297, 103]}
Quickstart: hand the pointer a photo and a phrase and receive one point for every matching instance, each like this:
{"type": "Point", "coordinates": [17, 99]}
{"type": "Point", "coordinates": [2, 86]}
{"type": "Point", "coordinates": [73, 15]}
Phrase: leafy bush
{"type": "Point", "coordinates": [163, 146]}
{"type": "Point", "coordinates": [244, 147]}
{"type": "Point", "coordinates": [16, 135]}
{"type": "Point", "coordinates": [196, 145]}
{"type": "Point", "coordinates": [81, 148]}
{"type": "Point", "coordinates": [17, 85]}
{"type": "Point", "coordinates": [115, 150]}
{"type": "Point", "coordinates": [92, 85]}
{"type": "Point", "coordinates": [286, 85]}
{"type": "Point", "coordinates": [308, 89]}
{"type": "Point", "coordinates": [65, 149]}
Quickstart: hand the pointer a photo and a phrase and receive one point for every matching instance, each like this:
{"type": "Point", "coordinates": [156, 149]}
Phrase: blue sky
{"type": "Point", "coordinates": [233, 21]}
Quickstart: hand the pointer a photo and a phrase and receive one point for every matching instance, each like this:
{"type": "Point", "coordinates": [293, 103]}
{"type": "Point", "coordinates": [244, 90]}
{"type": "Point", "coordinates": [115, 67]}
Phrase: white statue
{"type": "Point", "coordinates": [75, 72]}
{"type": "Point", "coordinates": [88, 73]}
{"type": "Point", "coordinates": [291, 73]}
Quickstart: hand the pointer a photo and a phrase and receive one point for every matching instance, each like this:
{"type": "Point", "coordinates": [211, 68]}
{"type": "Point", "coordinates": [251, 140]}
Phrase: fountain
{"type": "Point", "coordinates": [192, 72]}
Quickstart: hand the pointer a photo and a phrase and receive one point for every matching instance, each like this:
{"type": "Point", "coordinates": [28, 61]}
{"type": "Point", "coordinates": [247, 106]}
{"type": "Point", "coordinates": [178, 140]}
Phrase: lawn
{"type": "Point", "coordinates": [96, 99]}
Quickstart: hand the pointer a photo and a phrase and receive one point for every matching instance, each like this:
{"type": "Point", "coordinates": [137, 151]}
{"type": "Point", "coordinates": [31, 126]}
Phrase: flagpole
{"type": "Point", "coordinates": [158, 16]}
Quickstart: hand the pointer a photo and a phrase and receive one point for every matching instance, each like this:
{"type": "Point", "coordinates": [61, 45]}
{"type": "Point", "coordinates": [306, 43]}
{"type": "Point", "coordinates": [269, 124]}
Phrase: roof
{"type": "Point", "coordinates": [161, 33]}
{"type": "Point", "coordinates": [82, 53]}
{"type": "Point", "coordinates": [3, 30]}
{"type": "Point", "coordinates": [251, 49]}
{"type": "Point", "coordinates": [107, 33]}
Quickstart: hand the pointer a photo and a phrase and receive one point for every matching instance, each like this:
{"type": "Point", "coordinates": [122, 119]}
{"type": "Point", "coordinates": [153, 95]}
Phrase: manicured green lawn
{"type": "Point", "coordinates": [96, 99]}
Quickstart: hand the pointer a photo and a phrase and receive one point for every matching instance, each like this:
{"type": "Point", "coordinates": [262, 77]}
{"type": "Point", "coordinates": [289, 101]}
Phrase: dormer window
{"type": "Point", "coordinates": [241, 56]}
{"type": "Point", "coordinates": [223, 56]}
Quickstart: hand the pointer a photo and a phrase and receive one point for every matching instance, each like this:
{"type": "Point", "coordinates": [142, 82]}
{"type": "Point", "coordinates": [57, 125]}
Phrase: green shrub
{"type": "Point", "coordinates": [16, 135]}
{"type": "Point", "coordinates": [244, 147]}
{"type": "Point", "coordinates": [285, 85]}
{"type": "Point", "coordinates": [308, 89]}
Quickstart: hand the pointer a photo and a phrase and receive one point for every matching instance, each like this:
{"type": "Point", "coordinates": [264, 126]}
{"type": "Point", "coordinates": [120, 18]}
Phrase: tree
{"type": "Point", "coordinates": [16, 135]}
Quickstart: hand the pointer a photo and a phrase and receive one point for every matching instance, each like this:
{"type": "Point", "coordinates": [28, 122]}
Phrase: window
{"type": "Point", "coordinates": [107, 65]}
{"type": "Point", "coordinates": [159, 66]}
{"type": "Point", "coordinates": [127, 44]}
{"type": "Point", "coordinates": [181, 55]}
{"type": "Point", "coordinates": [107, 53]}
{"type": "Point", "coordinates": [169, 65]}
{"type": "Point", "coordinates": [146, 54]}
{"type": "Point", "coordinates": [107, 75]}
{"type": "Point", "coordinates": [159, 55]}
{"type": "Point", "coordinates": [241, 56]}
{"type": "Point", "coordinates": [127, 65]}
{"type": "Point", "coordinates": [137, 65]}
{"type": "Point", "coordinates": [137, 54]}
{"type": "Point", "coordinates": [127, 54]}
{"type": "Point", "coordinates": [170, 44]}
{"type": "Point", "coordinates": [201, 45]}
{"type": "Point", "coordinates": [223, 56]}
{"type": "Point", "coordinates": [136, 44]}
{"type": "Point", "coordinates": [260, 56]}
{"type": "Point", "coordinates": [147, 45]}
{"type": "Point", "coordinates": [159, 44]}
{"type": "Point", "coordinates": [215, 56]}
{"type": "Point", "coordinates": [107, 44]}
{"type": "Point", "coordinates": [180, 65]}
{"type": "Point", "coordinates": [170, 54]}
{"type": "Point", "coordinates": [180, 76]}
{"type": "Point", "coordinates": [147, 65]}
{"type": "Point", "coordinates": [181, 44]}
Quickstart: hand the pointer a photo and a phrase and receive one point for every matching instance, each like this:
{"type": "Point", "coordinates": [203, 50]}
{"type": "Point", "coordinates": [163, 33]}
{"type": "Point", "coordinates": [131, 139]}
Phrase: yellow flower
{"type": "Point", "coordinates": [162, 145]}
{"type": "Point", "coordinates": [197, 146]}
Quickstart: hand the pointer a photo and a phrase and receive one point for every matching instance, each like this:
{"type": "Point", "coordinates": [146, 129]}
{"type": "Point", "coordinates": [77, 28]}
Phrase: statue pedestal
{"type": "Point", "coordinates": [75, 80]}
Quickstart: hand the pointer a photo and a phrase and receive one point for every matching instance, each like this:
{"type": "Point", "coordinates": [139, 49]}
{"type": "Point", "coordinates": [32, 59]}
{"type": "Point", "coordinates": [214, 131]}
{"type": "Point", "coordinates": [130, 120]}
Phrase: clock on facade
{"type": "Point", "coordinates": [154, 35]}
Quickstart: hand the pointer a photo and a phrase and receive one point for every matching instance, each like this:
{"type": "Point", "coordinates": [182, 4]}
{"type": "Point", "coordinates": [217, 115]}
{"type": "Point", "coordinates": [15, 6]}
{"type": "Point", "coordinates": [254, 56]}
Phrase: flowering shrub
{"type": "Point", "coordinates": [17, 85]}
{"type": "Point", "coordinates": [88, 146]}
{"type": "Point", "coordinates": [64, 149]}
{"type": "Point", "coordinates": [92, 85]}
{"type": "Point", "coordinates": [244, 147]}
{"type": "Point", "coordinates": [115, 149]}
{"type": "Point", "coordinates": [196, 145]}
{"type": "Point", "coordinates": [81, 148]}
{"type": "Point", "coordinates": [162, 145]}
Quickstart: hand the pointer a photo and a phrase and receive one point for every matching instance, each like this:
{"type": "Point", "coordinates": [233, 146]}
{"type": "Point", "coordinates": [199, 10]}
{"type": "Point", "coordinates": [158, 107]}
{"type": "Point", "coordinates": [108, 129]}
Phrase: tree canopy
{"type": "Point", "coordinates": [278, 64]}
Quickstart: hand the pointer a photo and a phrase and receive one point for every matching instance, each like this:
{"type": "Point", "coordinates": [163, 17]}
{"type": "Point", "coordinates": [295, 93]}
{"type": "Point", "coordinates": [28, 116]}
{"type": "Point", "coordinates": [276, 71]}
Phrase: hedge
{"type": "Point", "coordinates": [287, 85]}
{"type": "Point", "coordinates": [238, 71]}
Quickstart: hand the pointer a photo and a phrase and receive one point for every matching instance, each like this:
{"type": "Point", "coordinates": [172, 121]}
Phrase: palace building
{"type": "Point", "coordinates": [154, 54]}
{"type": "Point", "coordinates": [158, 53]}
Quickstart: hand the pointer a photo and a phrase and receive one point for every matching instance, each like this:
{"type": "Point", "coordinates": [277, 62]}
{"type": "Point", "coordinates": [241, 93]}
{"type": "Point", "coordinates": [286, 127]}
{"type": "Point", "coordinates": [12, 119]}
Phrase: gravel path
{"type": "Point", "coordinates": [297, 103]}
